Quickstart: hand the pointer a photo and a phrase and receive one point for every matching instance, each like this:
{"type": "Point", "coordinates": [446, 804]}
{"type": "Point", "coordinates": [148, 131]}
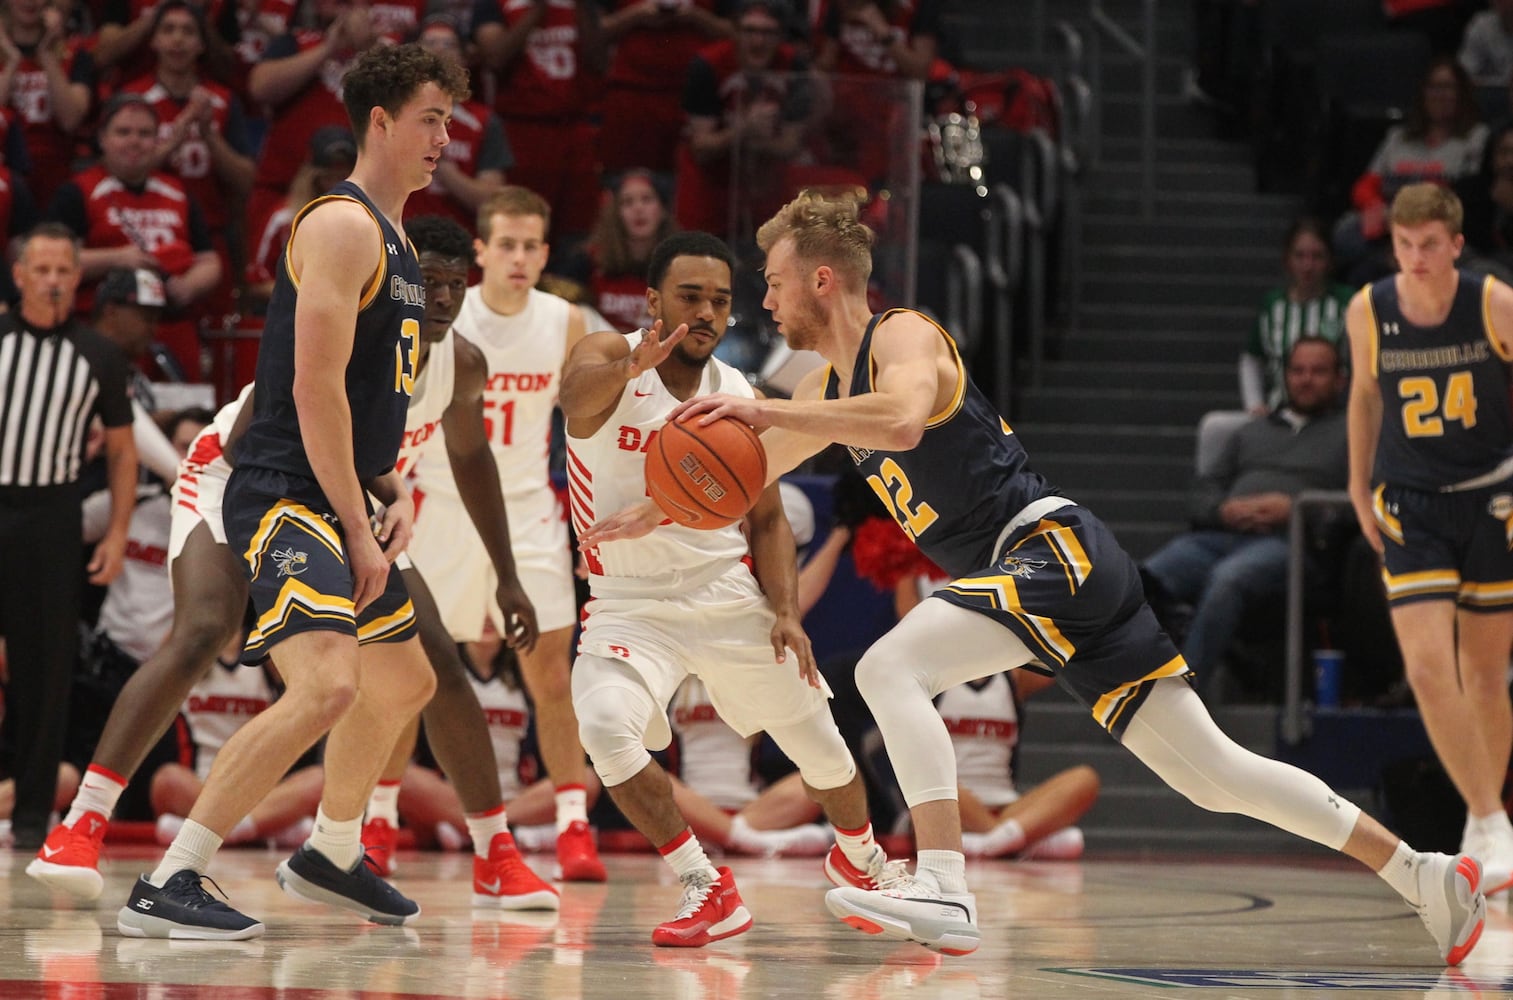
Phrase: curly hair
{"type": "Point", "coordinates": [439, 235]}
{"type": "Point", "coordinates": [386, 76]}
{"type": "Point", "coordinates": [685, 244]}
{"type": "Point", "coordinates": [824, 229]}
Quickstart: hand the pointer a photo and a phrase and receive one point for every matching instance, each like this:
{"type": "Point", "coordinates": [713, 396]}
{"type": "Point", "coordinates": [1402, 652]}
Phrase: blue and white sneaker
{"type": "Point", "coordinates": [182, 910]}
{"type": "Point", "coordinates": [311, 876]}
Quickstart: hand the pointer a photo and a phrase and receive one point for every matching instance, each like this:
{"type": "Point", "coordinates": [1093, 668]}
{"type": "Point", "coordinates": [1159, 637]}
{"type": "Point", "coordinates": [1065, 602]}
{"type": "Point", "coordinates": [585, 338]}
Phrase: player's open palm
{"type": "Point", "coordinates": [656, 344]}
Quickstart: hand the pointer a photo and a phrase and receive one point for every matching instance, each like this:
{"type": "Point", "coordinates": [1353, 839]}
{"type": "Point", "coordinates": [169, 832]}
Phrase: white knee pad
{"type": "Point", "coordinates": [815, 745]}
{"type": "Point", "coordinates": [615, 712]}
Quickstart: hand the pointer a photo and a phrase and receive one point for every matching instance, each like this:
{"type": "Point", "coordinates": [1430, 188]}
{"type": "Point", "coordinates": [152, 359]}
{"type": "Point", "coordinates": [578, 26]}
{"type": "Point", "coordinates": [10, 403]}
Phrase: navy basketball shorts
{"type": "Point", "coordinates": [1447, 546]}
{"type": "Point", "coordinates": [1073, 596]}
{"type": "Point", "coordinates": [291, 547]}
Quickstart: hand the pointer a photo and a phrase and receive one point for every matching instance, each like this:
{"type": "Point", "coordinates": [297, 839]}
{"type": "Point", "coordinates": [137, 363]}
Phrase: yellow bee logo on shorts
{"type": "Point", "coordinates": [290, 562]}
{"type": "Point", "coordinates": [1024, 568]}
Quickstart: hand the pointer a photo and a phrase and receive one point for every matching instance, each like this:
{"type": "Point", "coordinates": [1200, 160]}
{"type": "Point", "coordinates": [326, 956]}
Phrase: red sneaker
{"type": "Point", "coordinates": [577, 858]}
{"type": "Point", "coordinates": [380, 840]}
{"type": "Point", "coordinates": [709, 911]}
{"type": "Point", "coordinates": [840, 871]}
{"type": "Point", "coordinates": [503, 881]}
{"type": "Point", "coordinates": [69, 859]}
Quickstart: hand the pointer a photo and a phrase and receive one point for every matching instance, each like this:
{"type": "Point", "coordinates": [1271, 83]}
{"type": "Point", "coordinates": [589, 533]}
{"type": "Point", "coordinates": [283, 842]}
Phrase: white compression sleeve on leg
{"type": "Point", "coordinates": [816, 746]}
{"type": "Point", "coordinates": [614, 710]}
{"type": "Point", "coordinates": [1173, 734]}
{"type": "Point", "coordinates": [937, 646]}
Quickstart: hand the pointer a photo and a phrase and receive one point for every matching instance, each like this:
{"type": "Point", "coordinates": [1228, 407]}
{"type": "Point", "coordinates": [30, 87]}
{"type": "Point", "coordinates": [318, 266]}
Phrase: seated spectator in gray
{"type": "Point", "coordinates": [1237, 554]}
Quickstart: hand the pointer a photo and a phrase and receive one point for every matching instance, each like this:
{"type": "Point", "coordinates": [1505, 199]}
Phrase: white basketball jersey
{"type": "Point", "coordinates": [524, 354]}
{"type": "Point", "coordinates": [984, 728]}
{"type": "Point", "coordinates": [606, 473]}
{"type": "Point", "coordinates": [221, 703]}
{"type": "Point", "coordinates": [138, 608]}
{"type": "Point", "coordinates": [207, 451]}
{"type": "Point", "coordinates": [430, 398]}
{"type": "Point", "coordinates": [507, 714]}
{"type": "Point", "coordinates": [713, 759]}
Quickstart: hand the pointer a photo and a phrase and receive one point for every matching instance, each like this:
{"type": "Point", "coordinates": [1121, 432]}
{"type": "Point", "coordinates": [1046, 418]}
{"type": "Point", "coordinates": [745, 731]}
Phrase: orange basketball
{"type": "Point", "coordinates": [706, 477]}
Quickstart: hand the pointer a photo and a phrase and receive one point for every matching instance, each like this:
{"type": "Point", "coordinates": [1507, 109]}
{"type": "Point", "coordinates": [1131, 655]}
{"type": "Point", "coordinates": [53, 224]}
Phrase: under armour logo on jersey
{"type": "Point", "coordinates": [1025, 568]}
{"type": "Point", "coordinates": [1390, 329]}
{"type": "Point", "coordinates": [393, 250]}
{"type": "Point", "coordinates": [290, 562]}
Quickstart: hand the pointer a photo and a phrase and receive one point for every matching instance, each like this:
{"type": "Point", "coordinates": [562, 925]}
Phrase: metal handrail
{"type": "Point", "coordinates": [1296, 723]}
{"type": "Point", "coordinates": [1106, 27]}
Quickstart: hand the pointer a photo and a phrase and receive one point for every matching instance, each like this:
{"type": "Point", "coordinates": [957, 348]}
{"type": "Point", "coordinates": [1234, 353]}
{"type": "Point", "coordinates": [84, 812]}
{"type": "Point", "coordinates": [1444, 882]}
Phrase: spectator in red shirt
{"type": "Point", "coordinates": [201, 134]}
{"type": "Point", "coordinates": [129, 215]}
{"type": "Point", "coordinates": [547, 55]}
{"type": "Point", "coordinates": [474, 162]}
{"type": "Point", "coordinates": [612, 265]}
{"type": "Point", "coordinates": [746, 98]}
{"type": "Point", "coordinates": [654, 41]}
{"type": "Point", "coordinates": [48, 86]}
{"type": "Point", "coordinates": [299, 83]}
{"type": "Point", "coordinates": [123, 50]}
{"type": "Point", "coordinates": [333, 154]}
{"type": "Point", "coordinates": [861, 42]}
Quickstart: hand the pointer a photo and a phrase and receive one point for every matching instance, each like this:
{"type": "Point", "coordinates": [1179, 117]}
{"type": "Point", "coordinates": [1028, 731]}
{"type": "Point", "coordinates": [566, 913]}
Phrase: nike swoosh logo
{"type": "Point", "coordinates": [638, 392]}
{"type": "Point", "coordinates": [491, 887]}
{"type": "Point", "coordinates": [48, 852]}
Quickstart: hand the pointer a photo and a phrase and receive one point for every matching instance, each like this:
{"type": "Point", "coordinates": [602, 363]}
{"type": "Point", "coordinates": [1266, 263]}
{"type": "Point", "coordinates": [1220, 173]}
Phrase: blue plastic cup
{"type": "Point", "coordinates": [1328, 665]}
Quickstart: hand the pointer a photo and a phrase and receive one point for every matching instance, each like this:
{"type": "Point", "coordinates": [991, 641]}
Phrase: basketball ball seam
{"type": "Point", "coordinates": [730, 475]}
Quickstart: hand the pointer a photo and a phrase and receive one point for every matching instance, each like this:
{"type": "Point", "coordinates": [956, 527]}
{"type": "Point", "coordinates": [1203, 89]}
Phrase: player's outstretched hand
{"type": "Point", "coordinates": [632, 522]}
{"type": "Point", "coordinates": [520, 628]}
{"type": "Point", "coordinates": [654, 347]}
{"type": "Point", "coordinates": [788, 634]}
{"type": "Point", "coordinates": [707, 409]}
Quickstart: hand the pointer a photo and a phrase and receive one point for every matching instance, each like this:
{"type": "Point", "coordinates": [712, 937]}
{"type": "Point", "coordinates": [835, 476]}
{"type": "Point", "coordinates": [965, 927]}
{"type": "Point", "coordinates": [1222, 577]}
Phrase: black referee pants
{"type": "Point", "coordinates": [41, 552]}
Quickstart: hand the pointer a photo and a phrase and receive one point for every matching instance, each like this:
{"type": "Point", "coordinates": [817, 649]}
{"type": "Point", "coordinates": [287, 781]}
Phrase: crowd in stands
{"type": "Point", "coordinates": [181, 136]}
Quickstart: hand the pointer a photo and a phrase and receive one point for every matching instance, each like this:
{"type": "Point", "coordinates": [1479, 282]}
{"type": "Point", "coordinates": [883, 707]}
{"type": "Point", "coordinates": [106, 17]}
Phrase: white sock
{"type": "Point", "coordinates": [193, 848]}
{"type": "Point", "coordinates": [685, 855]}
{"type": "Point", "coordinates": [99, 791]}
{"type": "Point", "coordinates": [484, 827]}
{"type": "Point", "coordinates": [1401, 872]}
{"type": "Point", "coordinates": [948, 867]}
{"type": "Point", "coordinates": [1066, 844]}
{"type": "Point", "coordinates": [572, 805]}
{"type": "Point", "coordinates": [339, 840]}
{"type": "Point", "coordinates": [383, 803]}
{"type": "Point", "coordinates": [1491, 825]}
{"type": "Point", "coordinates": [1005, 838]}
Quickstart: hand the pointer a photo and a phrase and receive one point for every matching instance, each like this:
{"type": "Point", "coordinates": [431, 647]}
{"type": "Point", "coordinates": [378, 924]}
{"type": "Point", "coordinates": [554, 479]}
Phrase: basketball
{"type": "Point", "coordinates": [706, 477]}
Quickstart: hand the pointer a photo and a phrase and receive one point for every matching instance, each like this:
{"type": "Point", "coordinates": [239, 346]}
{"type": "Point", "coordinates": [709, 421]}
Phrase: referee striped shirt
{"type": "Point", "coordinates": [53, 381]}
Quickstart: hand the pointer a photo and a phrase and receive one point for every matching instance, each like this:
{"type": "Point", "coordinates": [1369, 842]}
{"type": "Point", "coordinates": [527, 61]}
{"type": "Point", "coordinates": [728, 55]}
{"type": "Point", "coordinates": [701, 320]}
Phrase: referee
{"type": "Point", "coordinates": [56, 376]}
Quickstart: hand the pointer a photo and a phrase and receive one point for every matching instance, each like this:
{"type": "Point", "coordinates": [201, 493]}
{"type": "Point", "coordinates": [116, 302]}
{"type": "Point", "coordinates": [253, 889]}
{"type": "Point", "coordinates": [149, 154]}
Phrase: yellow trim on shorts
{"type": "Point", "coordinates": [1003, 595]}
{"type": "Point", "coordinates": [298, 515]}
{"type": "Point", "coordinates": [297, 595]}
{"type": "Point", "coordinates": [1486, 595]}
{"type": "Point", "coordinates": [1108, 709]}
{"type": "Point", "coordinates": [1390, 525]}
{"type": "Point", "coordinates": [1067, 550]}
{"type": "Point", "coordinates": [1428, 581]}
{"type": "Point", "coordinates": [381, 628]}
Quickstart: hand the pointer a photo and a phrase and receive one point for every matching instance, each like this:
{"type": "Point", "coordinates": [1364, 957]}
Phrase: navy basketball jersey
{"type": "Point", "coordinates": [380, 373]}
{"type": "Point", "coordinates": [966, 479]}
{"type": "Point", "coordinates": [1446, 419]}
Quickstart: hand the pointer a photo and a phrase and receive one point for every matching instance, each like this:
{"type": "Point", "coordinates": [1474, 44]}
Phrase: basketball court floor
{"type": "Point", "coordinates": [1211, 928]}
